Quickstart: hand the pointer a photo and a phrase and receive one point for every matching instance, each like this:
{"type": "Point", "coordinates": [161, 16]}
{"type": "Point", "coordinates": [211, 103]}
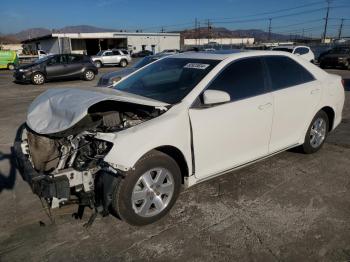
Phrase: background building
{"type": "Point", "coordinates": [91, 43]}
{"type": "Point", "coordinates": [218, 41]}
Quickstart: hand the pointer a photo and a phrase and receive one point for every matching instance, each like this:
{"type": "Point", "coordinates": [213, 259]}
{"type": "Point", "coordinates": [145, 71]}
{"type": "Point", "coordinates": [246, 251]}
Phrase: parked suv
{"type": "Point", "coordinates": [112, 57]}
{"type": "Point", "coordinates": [336, 57]}
{"type": "Point", "coordinates": [56, 67]}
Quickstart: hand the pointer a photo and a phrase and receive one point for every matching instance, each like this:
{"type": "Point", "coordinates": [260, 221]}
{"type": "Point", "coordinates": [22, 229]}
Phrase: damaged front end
{"type": "Point", "coordinates": [68, 166]}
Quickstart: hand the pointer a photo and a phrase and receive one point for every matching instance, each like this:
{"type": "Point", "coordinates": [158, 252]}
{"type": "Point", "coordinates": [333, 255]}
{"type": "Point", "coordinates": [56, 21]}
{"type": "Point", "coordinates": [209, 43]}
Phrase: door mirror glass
{"type": "Point", "coordinates": [215, 97]}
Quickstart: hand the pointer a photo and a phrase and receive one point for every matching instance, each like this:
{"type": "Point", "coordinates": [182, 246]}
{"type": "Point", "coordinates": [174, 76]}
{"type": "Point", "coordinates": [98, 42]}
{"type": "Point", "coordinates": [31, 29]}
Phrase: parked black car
{"type": "Point", "coordinates": [142, 53]}
{"type": "Point", "coordinates": [57, 67]}
{"type": "Point", "coordinates": [336, 57]}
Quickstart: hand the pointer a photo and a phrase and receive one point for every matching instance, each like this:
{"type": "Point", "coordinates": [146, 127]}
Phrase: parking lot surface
{"type": "Point", "coordinates": [290, 207]}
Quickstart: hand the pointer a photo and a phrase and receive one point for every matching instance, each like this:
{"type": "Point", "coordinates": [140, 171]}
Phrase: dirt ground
{"type": "Point", "coordinates": [291, 207]}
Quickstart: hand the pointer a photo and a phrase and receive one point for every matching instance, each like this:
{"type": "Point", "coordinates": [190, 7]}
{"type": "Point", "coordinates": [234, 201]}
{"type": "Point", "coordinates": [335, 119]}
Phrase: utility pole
{"type": "Point", "coordinates": [270, 21]}
{"type": "Point", "coordinates": [209, 31]}
{"type": "Point", "coordinates": [303, 34]}
{"type": "Point", "coordinates": [341, 28]}
{"type": "Point", "coordinates": [162, 30]}
{"type": "Point", "coordinates": [326, 22]}
{"type": "Point", "coordinates": [196, 30]}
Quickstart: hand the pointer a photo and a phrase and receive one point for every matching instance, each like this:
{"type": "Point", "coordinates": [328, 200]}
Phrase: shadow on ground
{"type": "Point", "coordinates": [7, 181]}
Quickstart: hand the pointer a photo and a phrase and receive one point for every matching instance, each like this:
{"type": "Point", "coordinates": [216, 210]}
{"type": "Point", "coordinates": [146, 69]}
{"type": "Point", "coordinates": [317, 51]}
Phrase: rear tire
{"type": "Point", "coordinates": [123, 63]}
{"type": "Point", "coordinates": [38, 78]}
{"type": "Point", "coordinates": [98, 64]}
{"type": "Point", "coordinates": [89, 75]}
{"type": "Point", "coordinates": [147, 193]}
{"type": "Point", "coordinates": [316, 133]}
{"type": "Point", "coordinates": [11, 66]}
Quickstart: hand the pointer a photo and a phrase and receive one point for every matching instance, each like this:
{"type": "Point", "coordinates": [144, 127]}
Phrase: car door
{"type": "Point", "coordinates": [56, 67]}
{"type": "Point", "coordinates": [234, 133]}
{"type": "Point", "coordinates": [75, 65]}
{"type": "Point", "coordinates": [108, 57]}
{"type": "Point", "coordinates": [296, 94]}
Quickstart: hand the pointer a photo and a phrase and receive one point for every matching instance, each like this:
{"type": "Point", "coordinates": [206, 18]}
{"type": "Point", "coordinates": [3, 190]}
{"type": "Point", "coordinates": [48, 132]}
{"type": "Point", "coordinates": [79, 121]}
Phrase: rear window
{"type": "Point", "coordinates": [285, 72]}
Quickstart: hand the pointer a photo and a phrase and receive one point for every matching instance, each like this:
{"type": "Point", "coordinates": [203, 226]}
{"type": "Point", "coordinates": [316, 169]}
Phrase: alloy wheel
{"type": "Point", "coordinates": [318, 132]}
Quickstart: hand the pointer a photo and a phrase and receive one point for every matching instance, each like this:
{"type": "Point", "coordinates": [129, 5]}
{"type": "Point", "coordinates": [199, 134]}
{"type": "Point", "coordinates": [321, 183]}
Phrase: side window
{"type": "Point", "coordinates": [116, 52]}
{"type": "Point", "coordinates": [125, 52]}
{"type": "Point", "coordinates": [74, 58]}
{"type": "Point", "coordinates": [241, 79]}
{"type": "Point", "coordinates": [109, 53]}
{"type": "Point", "coordinates": [285, 72]}
{"type": "Point", "coordinates": [58, 59]}
{"type": "Point", "coordinates": [301, 50]}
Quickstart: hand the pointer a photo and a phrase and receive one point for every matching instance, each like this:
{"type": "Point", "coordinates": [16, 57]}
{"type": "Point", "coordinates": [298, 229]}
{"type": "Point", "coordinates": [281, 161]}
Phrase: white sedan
{"type": "Point", "coordinates": [180, 120]}
{"type": "Point", "coordinates": [300, 50]}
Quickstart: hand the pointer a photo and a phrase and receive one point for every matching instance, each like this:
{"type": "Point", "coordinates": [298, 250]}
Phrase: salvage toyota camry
{"type": "Point", "coordinates": [178, 121]}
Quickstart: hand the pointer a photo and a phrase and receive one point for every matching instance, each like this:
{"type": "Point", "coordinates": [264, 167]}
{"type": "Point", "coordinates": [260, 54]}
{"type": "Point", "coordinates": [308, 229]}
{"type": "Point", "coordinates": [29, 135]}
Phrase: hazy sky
{"type": "Point", "coordinates": [150, 15]}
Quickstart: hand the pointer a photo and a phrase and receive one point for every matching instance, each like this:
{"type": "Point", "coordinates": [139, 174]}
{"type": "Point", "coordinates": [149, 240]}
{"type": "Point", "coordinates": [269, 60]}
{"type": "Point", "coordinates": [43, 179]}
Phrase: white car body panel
{"type": "Point", "coordinates": [246, 134]}
{"type": "Point", "coordinates": [228, 136]}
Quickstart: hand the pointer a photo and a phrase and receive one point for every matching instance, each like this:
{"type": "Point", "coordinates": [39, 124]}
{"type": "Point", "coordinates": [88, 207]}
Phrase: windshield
{"type": "Point", "coordinates": [100, 53]}
{"type": "Point", "coordinates": [145, 61]}
{"type": "Point", "coordinates": [168, 80]}
{"type": "Point", "coordinates": [284, 49]}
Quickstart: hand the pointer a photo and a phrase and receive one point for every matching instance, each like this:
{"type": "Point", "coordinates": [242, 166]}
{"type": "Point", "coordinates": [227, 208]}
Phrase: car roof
{"type": "Point", "coordinates": [214, 55]}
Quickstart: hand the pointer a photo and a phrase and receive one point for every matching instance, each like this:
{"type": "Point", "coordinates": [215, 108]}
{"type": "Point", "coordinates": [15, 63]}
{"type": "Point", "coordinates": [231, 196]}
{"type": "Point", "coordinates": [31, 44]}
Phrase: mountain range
{"type": "Point", "coordinates": [203, 32]}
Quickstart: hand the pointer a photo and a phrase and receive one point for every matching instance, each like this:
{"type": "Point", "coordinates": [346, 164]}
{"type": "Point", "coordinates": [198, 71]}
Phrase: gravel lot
{"type": "Point", "coordinates": [291, 207]}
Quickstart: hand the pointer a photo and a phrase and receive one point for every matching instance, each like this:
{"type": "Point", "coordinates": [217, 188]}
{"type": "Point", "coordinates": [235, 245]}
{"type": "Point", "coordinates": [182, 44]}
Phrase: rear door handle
{"type": "Point", "coordinates": [315, 91]}
{"type": "Point", "coordinates": [265, 106]}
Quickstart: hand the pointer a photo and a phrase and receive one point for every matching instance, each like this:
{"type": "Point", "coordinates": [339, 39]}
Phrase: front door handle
{"type": "Point", "coordinates": [265, 106]}
{"type": "Point", "coordinates": [315, 91]}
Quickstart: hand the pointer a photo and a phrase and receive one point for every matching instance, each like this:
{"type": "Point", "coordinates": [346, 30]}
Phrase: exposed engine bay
{"type": "Point", "coordinates": [70, 162]}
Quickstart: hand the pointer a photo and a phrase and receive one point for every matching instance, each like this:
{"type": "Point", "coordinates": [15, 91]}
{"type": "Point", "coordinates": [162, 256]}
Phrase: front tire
{"type": "Point", "coordinates": [147, 193]}
{"type": "Point", "coordinates": [89, 75]}
{"type": "Point", "coordinates": [316, 133]}
{"type": "Point", "coordinates": [98, 64]}
{"type": "Point", "coordinates": [38, 78]}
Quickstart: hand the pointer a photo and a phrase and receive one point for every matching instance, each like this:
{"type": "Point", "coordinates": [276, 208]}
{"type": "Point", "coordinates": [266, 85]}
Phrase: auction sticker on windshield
{"type": "Point", "coordinates": [196, 66]}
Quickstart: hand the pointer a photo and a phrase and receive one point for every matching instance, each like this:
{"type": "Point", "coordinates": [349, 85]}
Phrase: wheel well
{"type": "Point", "coordinates": [330, 113]}
{"type": "Point", "coordinates": [177, 155]}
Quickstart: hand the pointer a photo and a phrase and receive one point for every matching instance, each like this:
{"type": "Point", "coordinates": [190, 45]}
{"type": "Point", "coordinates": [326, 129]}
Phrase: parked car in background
{"type": "Point", "coordinates": [337, 57]}
{"type": "Point", "coordinates": [142, 53]}
{"type": "Point", "coordinates": [8, 59]}
{"type": "Point", "coordinates": [182, 119]}
{"type": "Point", "coordinates": [302, 51]}
{"type": "Point", "coordinates": [119, 57]}
{"type": "Point", "coordinates": [111, 78]}
{"type": "Point", "coordinates": [57, 67]}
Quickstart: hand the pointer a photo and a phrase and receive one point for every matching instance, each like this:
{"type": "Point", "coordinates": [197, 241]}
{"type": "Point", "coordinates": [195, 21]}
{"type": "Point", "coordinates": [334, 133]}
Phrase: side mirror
{"type": "Point", "coordinates": [215, 97]}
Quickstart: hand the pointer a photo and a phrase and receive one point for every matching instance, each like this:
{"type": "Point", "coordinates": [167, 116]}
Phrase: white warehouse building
{"type": "Point", "coordinates": [91, 43]}
{"type": "Point", "coordinates": [218, 41]}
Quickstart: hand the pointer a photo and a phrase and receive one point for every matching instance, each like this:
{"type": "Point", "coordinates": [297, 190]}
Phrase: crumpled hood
{"type": "Point", "coordinates": [59, 109]}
